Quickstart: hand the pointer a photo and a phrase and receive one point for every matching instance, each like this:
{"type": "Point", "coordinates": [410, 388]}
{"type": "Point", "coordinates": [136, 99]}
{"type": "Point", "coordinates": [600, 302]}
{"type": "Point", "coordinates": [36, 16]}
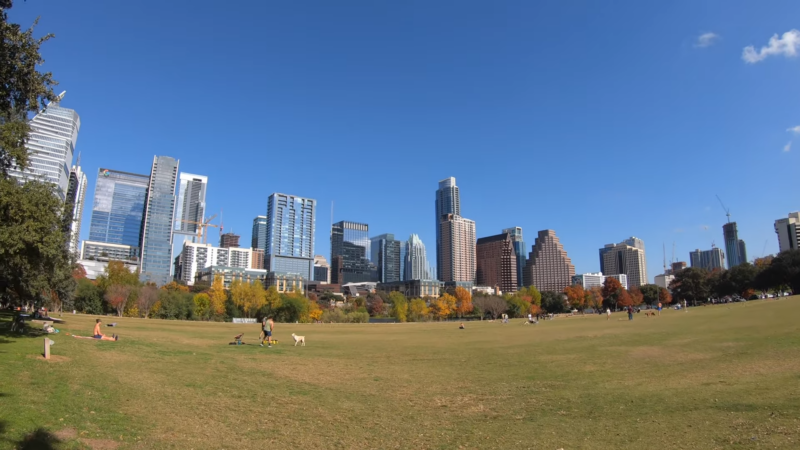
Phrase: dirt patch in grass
{"type": "Point", "coordinates": [100, 444]}
{"type": "Point", "coordinates": [66, 433]}
{"type": "Point", "coordinates": [53, 358]}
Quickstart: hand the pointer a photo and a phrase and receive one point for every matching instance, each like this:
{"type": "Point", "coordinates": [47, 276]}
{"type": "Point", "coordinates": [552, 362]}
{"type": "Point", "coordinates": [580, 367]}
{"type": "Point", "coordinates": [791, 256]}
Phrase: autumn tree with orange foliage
{"type": "Point", "coordinates": [624, 299]}
{"type": "Point", "coordinates": [664, 296]}
{"type": "Point", "coordinates": [636, 296]}
{"type": "Point", "coordinates": [611, 291]}
{"type": "Point", "coordinates": [175, 286]}
{"type": "Point", "coordinates": [463, 302]}
{"type": "Point", "coordinates": [594, 298]}
{"type": "Point", "coordinates": [576, 296]}
{"type": "Point", "coordinates": [443, 306]}
{"type": "Point", "coordinates": [314, 311]}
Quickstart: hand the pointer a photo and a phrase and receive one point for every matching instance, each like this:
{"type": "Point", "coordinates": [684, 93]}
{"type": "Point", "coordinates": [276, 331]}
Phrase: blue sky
{"type": "Point", "coordinates": [600, 120]}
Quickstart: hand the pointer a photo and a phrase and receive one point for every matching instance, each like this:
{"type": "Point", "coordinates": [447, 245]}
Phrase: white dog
{"type": "Point", "coordinates": [299, 340]}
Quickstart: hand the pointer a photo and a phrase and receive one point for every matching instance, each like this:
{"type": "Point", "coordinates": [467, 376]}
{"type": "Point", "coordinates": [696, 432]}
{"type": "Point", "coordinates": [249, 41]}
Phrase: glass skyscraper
{"type": "Point", "coordinates": [733, 246]}
{"type": "Point", "coordinates": [350, 251]}
{"type": "Point", "coordinates": [118, 208]}
{"type": "Point", "coordinates": [289, 247]}
{"type": "Point", "coordinates": [259, 236]}
{"type": "Point", "coordinates": [76, 196]}
{"type": "Point", "coordinates": [388, 255]}
{"type": "Point", "coordinates": [416, 265]}
{"type": "Point", "coordinates": [519, 248]}
{"type": "Point", "coordinates": [191, 204]}
{"type": "Point", "coordinates": [448, 201]}
{"type": "Point", "coordinates": [51, 146]}
{"type": "Point", "coordinates": [156, 265]}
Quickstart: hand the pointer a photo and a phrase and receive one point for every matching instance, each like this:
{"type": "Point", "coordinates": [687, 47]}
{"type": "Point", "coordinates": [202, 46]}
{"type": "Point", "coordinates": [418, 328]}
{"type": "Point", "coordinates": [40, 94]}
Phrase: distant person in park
{"type": "Point", "coordinates": [608, 313]}
{"type": "Point", "coordinates": [461, 327]}
{"type": "Point", "coordinates": [630, 312]}
{"type": "Point", "coordinates": [684, 306]}
{"type": "Point", "coordinates": [659, 308]}
{"type": "Point", "coordinates": [268, 325]}
{"type": "Point", "coordinates": [97, 334]}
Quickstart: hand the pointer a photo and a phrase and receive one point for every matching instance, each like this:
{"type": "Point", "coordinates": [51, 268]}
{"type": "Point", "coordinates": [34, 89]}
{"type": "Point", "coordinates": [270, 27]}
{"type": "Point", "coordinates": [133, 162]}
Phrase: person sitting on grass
{"type": "Point", "coordinates": [97, 334]}
{"type": "Point", "coordinates": [461, 327]}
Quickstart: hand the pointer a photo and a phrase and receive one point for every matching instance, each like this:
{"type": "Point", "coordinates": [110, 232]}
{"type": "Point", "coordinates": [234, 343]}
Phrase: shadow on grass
{"type": "Point", "coordinates": [39, 439]}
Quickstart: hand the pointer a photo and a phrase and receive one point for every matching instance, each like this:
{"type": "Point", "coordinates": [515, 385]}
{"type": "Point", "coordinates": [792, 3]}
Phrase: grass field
{"type": "Point", "coordinates": [723, 376]}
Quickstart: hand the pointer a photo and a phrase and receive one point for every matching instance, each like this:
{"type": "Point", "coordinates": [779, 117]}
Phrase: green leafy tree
{"type": "Point", "coordinates": [649, 293]}
{"type": "Point", "coordinates": [690, 284]}
{"type": "Point", "coordinates": [202, 306]}
{"type": "Point", "coordinates": [553, 302]}
{"type": "Point", "coordinates": [88, 297]}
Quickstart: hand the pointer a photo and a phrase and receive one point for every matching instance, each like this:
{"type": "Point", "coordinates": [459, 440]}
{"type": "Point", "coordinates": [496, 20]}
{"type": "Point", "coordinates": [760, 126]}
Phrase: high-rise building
{"type": "Point", "coordinates": [457, 240]}
{"type": "Point", "coordinates": [742, 252]}
{"type": "Point", "coordinates": [229, 240]}
{"type": "Point", "coordinates": [448, 202]}
{"type": "Point", "coordinates": [76, 195]}
{"type": "Point", "coordinates": [322, 270]}
{"type": "Point", "coordinates": [350, 243]}
{"type": "Point", "coordinates": [592, 280]}
{"type": "Point", "coordinates": [519, 249]}
{"type": "Point", "coordinates": [157, 262]}
{"type": "Point", "coordinates": [258, 259]}
{"type": "Point", "coordinates": [290, 235]}
{"type": "Point", "coordinates": [627, 257]}
{"type": "Point", "coordinates": [733, 245]}
{"type": "Point", "coordinates": [195, 257]}
{"type": "Point", "coordinates": [388, 257]}
{"type": "Point", "coordinates": [118, 209]}
{"type": "Point", "coordinates": [51, 146]}
{"type": "Point", "coordinates": [259, 236]}
{"type": "Point", "coordinates": [707, 259]}
{"type": "Point", "coordinates": [416, 267]}
{"type": "Point", "coordinates": [496, 260]}
{"type": "Point", "coordinates": [788, 231]}
{"type": "Point", "coordinates": [548, 267]}
{"type": "Point", "coordinates": [678, 266]}
{"type": "Point", "coordinates": [191, 206]}
{"type": "Point", "coordinates": [663, 280]}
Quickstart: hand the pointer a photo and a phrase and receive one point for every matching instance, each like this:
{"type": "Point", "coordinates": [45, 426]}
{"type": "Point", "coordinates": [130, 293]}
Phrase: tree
{"type": "Point", "coordinates": [376, 307]}
{"type": "Point", "coordinates": [175, 286]}
{"type": "Point", "coordinates": [691, 285]}
{"type": "Point", "coordinates": [611, 289]}
{"type": "Point", "coordinates": [88, 297]}
{"type": "Point", "coordinates": [664, 296]}
{"type": "Point", "coordinates": [148, 296]}
{"type": "Point", "coordinates": [418, 310]}
{"type": "Point", "coordinates": [217, 296]}
{"type": "Point", "coordinates": [249, 297]}
{"type": "Point", "coordinates": [23, 89]}
{"type": "Point", "coordinates": [202, 305]}
{"type": "Point", "coordinates": [492, 305]}
{"type": "Point", "coordinates": [116, 273]}
{"type": "Point", "coordinates": [595, 298]}
{"type": "Point", "coordinates": [535, 297]}
{"type": "Point", "coordinates": [399, 307]}
{"type": "Point", "coordinates": [576, 296]}
{"type": "Point", "coordinates": [117, 296]}
{"type": "Point", "coordinates": [463, 302]}
{"type": "Point", "coordinates": [443, 306]}
{"type": "Point", "coordinates": [314, 311]}
{"type": "Point", "coordinates": [783, 271]}
{"type": "Point", "coordinates": [650, 293]}
{"type": "Point", "coordinates": [637, 298]}
{"type": "Point", "coordinates": [624, 298]}
{"type": "Point", "coordinates": [272, 299]}
{"type": "Point", "coordinates": [553, 302]}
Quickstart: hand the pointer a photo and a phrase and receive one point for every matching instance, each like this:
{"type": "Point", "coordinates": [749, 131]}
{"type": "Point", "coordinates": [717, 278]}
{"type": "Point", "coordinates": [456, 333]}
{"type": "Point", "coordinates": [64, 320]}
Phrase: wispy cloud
{"type": "Point", "coordinates": [786, 45]}
{"type": "Point", "coordinates": [706, 40]}
{"type": "Point", "coordinates": [787, 147]}
{"type": "Point", "coordinates": [795, 130]}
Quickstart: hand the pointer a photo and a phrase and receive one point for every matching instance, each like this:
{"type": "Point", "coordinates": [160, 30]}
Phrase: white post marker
{"type": "Point", "coordinates": [47, 344]}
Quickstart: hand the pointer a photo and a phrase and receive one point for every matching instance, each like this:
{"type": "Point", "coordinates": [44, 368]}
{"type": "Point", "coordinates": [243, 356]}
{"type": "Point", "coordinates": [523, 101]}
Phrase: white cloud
{"type": "Point", "coordinates": [795, 130]}
{"type": "Point", "coordinates": [706, 40]}
{"type": "Point", "coordinates": [786, 45]}
{"type": "Point", "coordinates": [787, 147]}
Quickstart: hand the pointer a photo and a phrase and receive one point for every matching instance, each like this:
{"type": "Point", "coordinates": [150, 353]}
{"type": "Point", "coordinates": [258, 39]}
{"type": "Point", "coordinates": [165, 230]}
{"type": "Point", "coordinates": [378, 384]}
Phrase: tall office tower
{"type": "Point", "coordinates": [290, 235]}
{"type": "Point", "coordinates": [732, 245]}
{"type": "Point", "coordinates": [497, 262]}
{"type": "Point", "coordinates": [322, 270]}
{"type": "Point", "coordinates": [350, 243]}
{"type": "Point", "coordinates": [157, 263]}
{"type": "Point", "coordinates": [259, 236]}
{"type": "Point", "coordinates": [416, 267]}
{"type": "Point", "coordinates": [51, 146]}
{"type": "Point", "coordinates": [447, 202]}
{"type": "Point", "coordinates": [628, 259]}
{"type": "Point", "coordinates": [258, 259]}
{"type": "Point", "coordinates": [548, 267]}
{"type": "Point", "coordinates": [388, 256]}
{"type": "Point", "coordinates": [229, 240]}
{"type": "Point", "coordinates": [457, 238]}
{"type": "Point", "coordinates": [189, 210]}
{"type": "Point", "coordinates": [76, 195]}
{"type": "Point", "coordinates": [788, 231]}
{"type": "Point", "coordinates": [118, 210]}
{"type": "Point", "coordinates": [519, 249]}
{"type": "Point", "coordinates": [742, 252]}
{"type": "Point", "coordinates": [707, 259]}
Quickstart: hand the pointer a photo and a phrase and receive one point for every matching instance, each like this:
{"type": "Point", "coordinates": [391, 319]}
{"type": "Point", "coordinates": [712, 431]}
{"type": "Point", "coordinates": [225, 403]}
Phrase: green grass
{"type": "Point", "coordinates": [725, 376]}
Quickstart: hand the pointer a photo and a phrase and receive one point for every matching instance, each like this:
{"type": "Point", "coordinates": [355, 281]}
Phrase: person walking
{"type": "Point", "coordinates": [608, 314]}
{"type": "Point", "coordinates": [630, 312]}
{"type": "Point", "coordinates": [268, 325]}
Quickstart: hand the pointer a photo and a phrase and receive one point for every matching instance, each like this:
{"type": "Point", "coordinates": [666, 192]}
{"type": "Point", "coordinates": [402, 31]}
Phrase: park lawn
{"type": "Point", "coordinates": [725, 376]}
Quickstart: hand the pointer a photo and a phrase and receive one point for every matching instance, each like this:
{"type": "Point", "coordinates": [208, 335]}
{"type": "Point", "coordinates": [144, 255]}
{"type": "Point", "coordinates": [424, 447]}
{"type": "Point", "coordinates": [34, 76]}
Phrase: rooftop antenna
{"type": "Point", "coordinates": [664, 248]}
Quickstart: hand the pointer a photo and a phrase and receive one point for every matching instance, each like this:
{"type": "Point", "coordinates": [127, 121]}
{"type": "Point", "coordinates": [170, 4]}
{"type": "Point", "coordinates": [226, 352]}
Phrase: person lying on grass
{"type": "Point", "coordinates": [97, 334]}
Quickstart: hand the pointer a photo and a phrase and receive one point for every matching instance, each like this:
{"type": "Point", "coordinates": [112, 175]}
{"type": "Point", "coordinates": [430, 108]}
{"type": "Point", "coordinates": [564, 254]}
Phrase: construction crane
{"type": "Point", "coordinates": [202, 232]}
{"type": "Point", "coordinates": [727, 210]}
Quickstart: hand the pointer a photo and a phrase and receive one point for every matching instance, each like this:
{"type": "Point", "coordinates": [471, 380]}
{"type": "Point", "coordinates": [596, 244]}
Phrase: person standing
{"type": "Point", "coordinates": [630, 312]}
{"type": "Point", "coordinates": [608, 314]}
{"type": "Point", "coordinates": [659, 308]}
{"type": "Point", "coordinates": [268, 326]}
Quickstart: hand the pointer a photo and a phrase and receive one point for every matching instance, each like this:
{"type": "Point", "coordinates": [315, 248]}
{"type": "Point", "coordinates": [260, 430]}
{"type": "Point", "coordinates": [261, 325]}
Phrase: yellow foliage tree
{"type": "Point", "coordinates": [443, 306]}
{"type": "Point", "coordinates": [418, 310]}
{"type": "Point", "coordinates": [202, 305]}
{"type": "Point", "coordinates": [463, 302]}
{"type": "Point", "coordinates": [314, 311]}
{"type": "Point", "coordinates": [272, 298]}
{"type": "Point", "coordinates": [217, 296]}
